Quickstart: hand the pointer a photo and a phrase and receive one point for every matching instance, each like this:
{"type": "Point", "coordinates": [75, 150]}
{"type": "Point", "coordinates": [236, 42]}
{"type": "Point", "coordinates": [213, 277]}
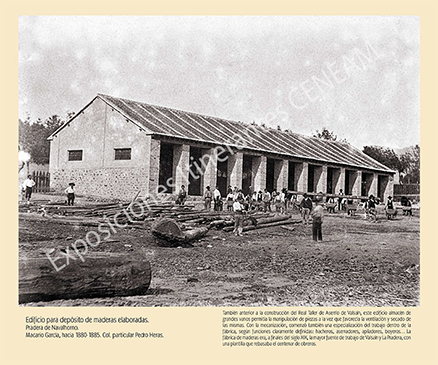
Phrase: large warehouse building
{"type": "Point", "coordinates": [115, 147]}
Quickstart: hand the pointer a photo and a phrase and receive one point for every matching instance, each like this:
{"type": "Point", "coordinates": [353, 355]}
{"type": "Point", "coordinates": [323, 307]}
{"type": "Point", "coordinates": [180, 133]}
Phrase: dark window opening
{"type": "Point", "coordinates": [311, 179]}
{"type": "Point", "coordinates": [247, 174]}
{"type": "Point", "coordinates": [75, 155]}
{"type": "Point", "coordinates": [330, 180]}
{"type": "Point", "coordinates": [195, 176]}
{"type": "Point", "coordinates": [166, 168]}
{"type": "Point", "coordinates": [122, 153]}
{"type": "Point", "coordinates": [347, 190]}
{"type": "Point", "coordinates": [291, 185]}
{"type": "Point", "coordinates": [270, 171]}
{"type": "Point", "coordinates": [222, 176]}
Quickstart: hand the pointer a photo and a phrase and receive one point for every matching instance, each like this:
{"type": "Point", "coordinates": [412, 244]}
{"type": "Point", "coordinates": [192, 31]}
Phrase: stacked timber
{"type": "Point", "coordinates": [272, 221]}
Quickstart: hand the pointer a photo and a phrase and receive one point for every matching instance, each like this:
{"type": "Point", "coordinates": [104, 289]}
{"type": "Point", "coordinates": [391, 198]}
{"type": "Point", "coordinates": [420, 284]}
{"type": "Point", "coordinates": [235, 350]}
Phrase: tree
{"type": "Point", "coordinates": [385, 156]}
{"type": "Point", "coordinates": [32, 137]}
{"type": "Point", "coordinates": [325, 134]}
{"type": "Point", "coordinates": [411, 165]}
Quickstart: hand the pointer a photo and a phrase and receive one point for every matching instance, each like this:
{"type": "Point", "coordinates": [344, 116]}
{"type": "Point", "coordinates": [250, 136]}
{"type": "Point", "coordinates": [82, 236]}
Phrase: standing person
{"type": "Point", "coordinates": [217, 199]}
{"type": "Point", "coordinates": [331, 204]}
{"type": "Point", "coordinates": [408, 208]}
{"type": "Point", "coordinates": [274, 195]}
{"type": "Point", "coordinates": [280, 201]}
{"type": "Point", "coordinates": [266, 201]}
{"type": "Point", "coordinates": [294, 202]}
{"type": "Point", "coordinates": [70, 191]}
{"type": "Point", "coordinates": [239, 196]}
{"type": "Point", "coordinates": [372, 208]}
{"type": "Point", "coordinates": [287, 200]}
{"type": "Point", "coordinates": [238, 217]}
{"type": "Point", "coordinates": [260, 200]}
{"type": "Point", "coordinates": [235, 190]}
{"type": "Point", "coordinates": [317, 216]}
{"type": "Point", "coordinates": [207, 198]}
{"type": "Point", "coordinates": [341, 193]}
{"type": "Point", "coordinates": [27, 186]}
{"type": "Point", "coordinates": [230, 198]}
{"type": "Point", "coordinates": [390, 212]}
{"type": "Point", "coordinates": [182, 196]}
{"type": "Point", "coordinates": [306, 207]}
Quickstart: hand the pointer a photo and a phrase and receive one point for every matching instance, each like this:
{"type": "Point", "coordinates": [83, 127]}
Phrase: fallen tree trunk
{"type": "Point", "coordinates": [277, 218]}
{"type": "Point", "coordinates": [273, 224]}
{"type": "Point", "coordinates": [262, 221]}
{"type": "Point", "coordinates": [265, 225]}
{"type": "Point", "coordinates": [100, 275]}
{"type": "Point", "coordinates": [171, 235]}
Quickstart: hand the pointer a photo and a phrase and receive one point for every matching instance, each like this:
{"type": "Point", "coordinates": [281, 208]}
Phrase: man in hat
{"type": "Point", "coordinates": [238, 214]}
{"type": "Point", "coordinates": [207, 198]}
{"type": "Point", "coordinates": [182, 196]}
{"type": "Point", "coordinates": [70, 191]}
{"type": "Point", "coordinates": [371, 204]}
{"type": "Point", "coordinates": [390, 211]}
{"type": "Point", "coordinates": [306, 206]}
{"type": "Point", "coordinates": [317, 216]}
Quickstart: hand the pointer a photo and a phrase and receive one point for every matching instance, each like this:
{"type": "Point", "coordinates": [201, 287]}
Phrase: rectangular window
{"type": "Point", "coordinates": [122, 153]}
{"type": "Point", "coordinates": [75, 155]}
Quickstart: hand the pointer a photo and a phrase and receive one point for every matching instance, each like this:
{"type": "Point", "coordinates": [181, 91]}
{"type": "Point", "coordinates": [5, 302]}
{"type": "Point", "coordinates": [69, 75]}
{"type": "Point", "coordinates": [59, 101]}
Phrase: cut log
{"type": "Point", "coordinates": [266, 225]}
{"type": "Point", "coordinates": [167, 228]}
{"type": "Point", "coordinates": [262, 221]}
{"type": "Point", "coordinates": [277, 218]}
{"type": "Point", "coordinates": [272, 224]}
{"type": "Point", "coordinates": [171, 235]}
{"type": "Point", "coordinates": [195, 234]}
{"type": "Point", "coordinates": [100, 275]}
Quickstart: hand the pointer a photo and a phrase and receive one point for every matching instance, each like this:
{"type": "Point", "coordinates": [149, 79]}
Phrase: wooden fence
{"type": "Point", "coordinates": [42, 180]}
{"type": "Point", "coordinates": [406, 189]}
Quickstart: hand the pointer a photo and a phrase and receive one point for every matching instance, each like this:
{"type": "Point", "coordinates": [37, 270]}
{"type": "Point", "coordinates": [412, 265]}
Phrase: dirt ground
{"type": "Point", "coordinates": [359, 263]}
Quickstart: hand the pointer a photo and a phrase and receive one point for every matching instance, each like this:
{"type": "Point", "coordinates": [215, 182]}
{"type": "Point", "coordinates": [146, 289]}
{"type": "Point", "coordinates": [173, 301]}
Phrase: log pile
{"type": "Point", "coordinates": [265, 222]}
{"type": "Point", "coordinates": [174, 225]}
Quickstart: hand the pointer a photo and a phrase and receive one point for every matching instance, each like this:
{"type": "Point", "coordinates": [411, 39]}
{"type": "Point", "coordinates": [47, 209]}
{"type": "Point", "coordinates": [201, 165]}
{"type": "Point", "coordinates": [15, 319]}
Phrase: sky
{"type": "Point", "coordinates": [358, 76]}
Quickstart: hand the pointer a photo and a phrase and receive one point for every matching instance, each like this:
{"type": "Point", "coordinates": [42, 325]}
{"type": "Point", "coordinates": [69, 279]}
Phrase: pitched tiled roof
{"type": "Point", "coordinates": [162, 121]}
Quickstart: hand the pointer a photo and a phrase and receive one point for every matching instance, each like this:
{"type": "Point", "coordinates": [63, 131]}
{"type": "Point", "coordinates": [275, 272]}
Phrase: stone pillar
{"type": "Point", "coordinates": [389, 190]}
{"type": "Point", "coordinates": [209, 166]}
{"type": "Point", "coordinates": [235, 169]}
{"type": "Point", "coordinates": [373, 184]}
{"type": "Point", "coordinates": [340, 183]}
{"type": "Point", "coordinates": [321, 179]}
{"type": "Point", "coordinates": [152, 167]}
{"type": "Point", "coordinates": [259, 172]}
{"type": "Point", "coordinates": [281, 174]}
{"type": "Point", "coordinates": [181, 162]}
{"type": "Point", "coordinates": [301, 176]}
{"type": "Point", "coordinates": [357, 185]}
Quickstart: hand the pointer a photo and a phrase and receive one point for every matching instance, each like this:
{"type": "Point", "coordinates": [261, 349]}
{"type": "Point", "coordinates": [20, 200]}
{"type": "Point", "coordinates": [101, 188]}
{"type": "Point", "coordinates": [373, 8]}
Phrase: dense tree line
{"type": "Point", "coordinates": [32, 136]}
{"type": "Point", "coordinates": [408, 163]}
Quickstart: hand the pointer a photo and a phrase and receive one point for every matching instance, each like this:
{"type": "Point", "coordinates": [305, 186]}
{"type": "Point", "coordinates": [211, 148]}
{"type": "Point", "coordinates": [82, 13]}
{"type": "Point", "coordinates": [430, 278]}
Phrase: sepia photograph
{"type": "Point", "coordinates": [219, 161]}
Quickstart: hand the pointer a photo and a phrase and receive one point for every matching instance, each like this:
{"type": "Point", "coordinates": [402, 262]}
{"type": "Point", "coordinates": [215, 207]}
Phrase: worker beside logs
{"type": "Point", "coordinates": [238, 214]}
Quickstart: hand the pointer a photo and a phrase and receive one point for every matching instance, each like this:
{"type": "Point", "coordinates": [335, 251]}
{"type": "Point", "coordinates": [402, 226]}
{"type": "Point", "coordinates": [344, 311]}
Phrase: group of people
{"type": "Point", "coordinates": [308, 209]}
{"type": "Point", "coordinates": [29, 184]}
{"type": "Point", "coordinates": [257, 200]}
